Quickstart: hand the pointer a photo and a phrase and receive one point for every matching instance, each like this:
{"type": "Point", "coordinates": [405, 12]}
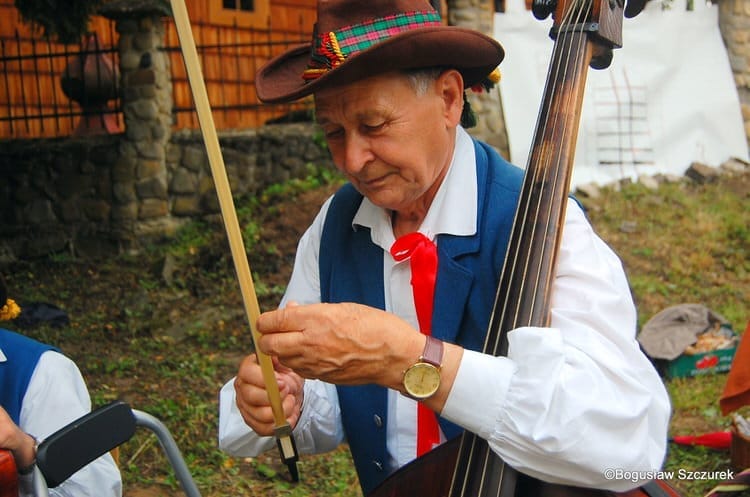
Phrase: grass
{"type": "Point", "coordinates": [164, 328]}
{"type": "Point", "coordinates": [685, 243]}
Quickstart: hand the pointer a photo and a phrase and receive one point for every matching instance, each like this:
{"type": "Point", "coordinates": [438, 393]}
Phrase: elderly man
{"type": "Point", "coordinates": [383, 322]}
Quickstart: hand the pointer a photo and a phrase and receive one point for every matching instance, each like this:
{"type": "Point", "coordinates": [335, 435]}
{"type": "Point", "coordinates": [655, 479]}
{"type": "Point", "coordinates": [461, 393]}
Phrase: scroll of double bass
{"type": "Point", "coordinates": [585, 33]}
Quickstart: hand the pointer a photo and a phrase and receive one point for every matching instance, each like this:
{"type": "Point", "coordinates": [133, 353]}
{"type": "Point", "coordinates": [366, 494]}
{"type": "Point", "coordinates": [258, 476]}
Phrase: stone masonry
{"type": "Point", "coordinates": [64, 195]}
{"type": "Point", "coordinates": [734, 23]}
{"type": "Point", "coordinates": [95, 195]}
{"type": "Point", "coordinates": [139, 177]}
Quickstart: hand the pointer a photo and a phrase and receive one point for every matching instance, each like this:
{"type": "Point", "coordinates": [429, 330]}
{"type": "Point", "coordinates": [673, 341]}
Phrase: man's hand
{"type": "Point", "coordinates": [19, 443]}
{"type": "Point", "coordinates": [345, 344]}
{"type": "Point", "coordinates": [252, 397]}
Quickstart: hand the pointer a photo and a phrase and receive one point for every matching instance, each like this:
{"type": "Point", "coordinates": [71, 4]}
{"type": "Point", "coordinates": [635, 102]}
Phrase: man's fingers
{"type": "Point", "coordinates": [281, 320]}
{"type": "Point", "coordinates": [250, 372]}
{"type": "Point", "coordinates": [255, 408]}
{"type": "Point", "coordinates": [261, 420]}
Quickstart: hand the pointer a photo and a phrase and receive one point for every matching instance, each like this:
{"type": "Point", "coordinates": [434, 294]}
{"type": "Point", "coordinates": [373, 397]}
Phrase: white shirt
{"type": "Point", "coordinates": [56, 396]}
{"type": "Point", "coordinates": [597, 402]}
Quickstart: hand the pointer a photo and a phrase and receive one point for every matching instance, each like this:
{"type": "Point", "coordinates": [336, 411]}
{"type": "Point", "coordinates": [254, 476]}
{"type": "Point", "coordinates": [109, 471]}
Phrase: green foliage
{"type": "Point", "coordinates": [189, 237]}
{"type": "Point", "coordinates": [66, 21]}
{"type": "Point", "coordinates": [316, 177]}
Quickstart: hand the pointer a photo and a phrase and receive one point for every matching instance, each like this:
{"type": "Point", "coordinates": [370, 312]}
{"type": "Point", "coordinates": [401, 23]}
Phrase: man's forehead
{"type": "Point", "coordinates": [375, 80]}
{"type": "Point", "coordinates": [362, 106]}
{"type": "Point", "coordinates": [328, 114]}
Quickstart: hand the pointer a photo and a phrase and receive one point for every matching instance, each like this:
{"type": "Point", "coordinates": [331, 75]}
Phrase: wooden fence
{"type": "Point", "coordinates": [34, 102]}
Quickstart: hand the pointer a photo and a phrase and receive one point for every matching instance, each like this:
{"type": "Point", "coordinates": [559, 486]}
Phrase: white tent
{"type": "Point", "coordinates": [668, 98]}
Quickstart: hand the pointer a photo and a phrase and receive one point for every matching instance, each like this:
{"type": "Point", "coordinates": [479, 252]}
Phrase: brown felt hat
{"type": "Point", "coordinates": [357, 39]}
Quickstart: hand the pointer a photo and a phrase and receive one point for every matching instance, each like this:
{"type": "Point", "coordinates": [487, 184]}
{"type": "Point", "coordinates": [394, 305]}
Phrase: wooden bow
{"type": "Point", "coordinates": [283, 431]}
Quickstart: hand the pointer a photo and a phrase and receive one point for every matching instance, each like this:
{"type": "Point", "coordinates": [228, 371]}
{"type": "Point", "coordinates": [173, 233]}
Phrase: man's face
{"type": "Point", "coordinates": [394, 145]}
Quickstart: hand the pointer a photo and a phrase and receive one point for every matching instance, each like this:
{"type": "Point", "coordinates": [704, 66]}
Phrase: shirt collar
{"type": "Point", "coordinates": [2, 356]}
{"type": "Point", "coordinates": [453, 210]}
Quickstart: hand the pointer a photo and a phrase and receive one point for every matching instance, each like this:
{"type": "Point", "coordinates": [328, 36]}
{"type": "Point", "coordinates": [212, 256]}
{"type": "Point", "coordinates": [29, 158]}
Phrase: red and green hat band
{"type": "Point", "coordinates": [331, 49]}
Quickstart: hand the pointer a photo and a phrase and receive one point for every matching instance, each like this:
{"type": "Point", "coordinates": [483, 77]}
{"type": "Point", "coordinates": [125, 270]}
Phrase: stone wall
{"type": "Point", "coordinates": [734, 23]}
{"type": "Point", "coordinates": [113, 192]}
{"type": "Point", "coordinates": [68, 195]}
{"type": "Point", "coordinates": [108, 193]}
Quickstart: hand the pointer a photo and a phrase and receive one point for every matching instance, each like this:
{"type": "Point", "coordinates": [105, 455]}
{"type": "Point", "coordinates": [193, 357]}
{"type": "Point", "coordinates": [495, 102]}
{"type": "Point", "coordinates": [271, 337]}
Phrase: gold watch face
{"type": "Point", "coordinates": [422, 380]}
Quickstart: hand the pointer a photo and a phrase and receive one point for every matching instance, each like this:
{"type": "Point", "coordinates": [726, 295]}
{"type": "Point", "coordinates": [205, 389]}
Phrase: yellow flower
{"type": "Point", "coordinates": [9, 311]}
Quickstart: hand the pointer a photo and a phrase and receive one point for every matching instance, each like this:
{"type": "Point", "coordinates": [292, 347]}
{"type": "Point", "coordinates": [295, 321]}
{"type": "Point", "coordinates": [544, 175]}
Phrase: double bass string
{"type": "Point", "coordinates": [567, 61]}
{"type": "Point", "coordinates": [523, 267]}
{"type": "Point", "coordinates": [515, 263]}
{"type": "Point", "coordinates": [528, 211]}
{"type": "Point", "coordinates": [571, 31]}
{"type": "Point", "coordinates": [470, 444]}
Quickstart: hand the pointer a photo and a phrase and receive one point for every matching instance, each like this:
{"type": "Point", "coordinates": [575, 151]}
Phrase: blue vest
{"type": "Point", "coordinates": [351, 270]}
{"type": "Point", "coordinates": [22, 355]}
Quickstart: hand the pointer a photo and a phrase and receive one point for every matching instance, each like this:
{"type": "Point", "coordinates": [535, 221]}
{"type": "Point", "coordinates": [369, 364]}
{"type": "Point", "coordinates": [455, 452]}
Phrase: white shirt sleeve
{"type": "Point", "coordinates": [56, 396]}
{"type": "Point", "coordinates": [319, 429]}
{"type": "Point", "coordinates": [597, 402]}
{"type": "Point", "coordinates": [304, 284]}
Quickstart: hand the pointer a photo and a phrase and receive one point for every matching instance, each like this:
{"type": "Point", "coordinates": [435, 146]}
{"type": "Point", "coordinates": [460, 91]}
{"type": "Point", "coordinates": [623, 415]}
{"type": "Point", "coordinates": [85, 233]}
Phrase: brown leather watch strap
{"type": "Point", "coordinates": [433, 351]}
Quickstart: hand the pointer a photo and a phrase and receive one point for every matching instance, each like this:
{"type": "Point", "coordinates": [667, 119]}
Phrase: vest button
{"type": "Point", "coordinates": [378, 421]}
{"type": "Point", "coordinates": [378, 465]}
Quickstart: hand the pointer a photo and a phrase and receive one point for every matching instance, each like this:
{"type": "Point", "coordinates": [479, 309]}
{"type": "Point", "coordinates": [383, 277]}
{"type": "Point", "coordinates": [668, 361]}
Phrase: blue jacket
{"type": "Point", "coordinates": [15, 373]}
{"type": "Point", "coordinates": [468, 276]}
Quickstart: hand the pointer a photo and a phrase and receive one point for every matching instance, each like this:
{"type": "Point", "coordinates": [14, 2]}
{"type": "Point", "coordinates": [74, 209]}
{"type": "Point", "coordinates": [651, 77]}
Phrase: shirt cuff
{"type": "Point", "coordinates": [478, 392]}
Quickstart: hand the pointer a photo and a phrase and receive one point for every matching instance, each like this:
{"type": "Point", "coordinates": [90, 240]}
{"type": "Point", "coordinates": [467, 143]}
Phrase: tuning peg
{"type": "Point", "coordinates": [543, 8]}
{"type": "Point", "coordinates": [634, 7]}
{"type": "Point", "coordinates": [601, 58]}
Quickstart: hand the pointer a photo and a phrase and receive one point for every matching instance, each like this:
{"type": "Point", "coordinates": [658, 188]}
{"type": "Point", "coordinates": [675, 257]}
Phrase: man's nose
{"type": "Point", "coordinates": [357, 153]}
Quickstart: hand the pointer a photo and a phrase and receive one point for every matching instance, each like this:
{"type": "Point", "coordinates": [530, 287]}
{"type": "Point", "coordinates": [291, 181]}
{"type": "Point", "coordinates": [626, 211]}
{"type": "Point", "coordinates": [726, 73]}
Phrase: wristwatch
{"type": "Point", "coordinates": [422, 379]}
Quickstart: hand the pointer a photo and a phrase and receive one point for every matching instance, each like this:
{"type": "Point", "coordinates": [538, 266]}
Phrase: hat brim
{"type": "Point", "coordinates": [472, 53]}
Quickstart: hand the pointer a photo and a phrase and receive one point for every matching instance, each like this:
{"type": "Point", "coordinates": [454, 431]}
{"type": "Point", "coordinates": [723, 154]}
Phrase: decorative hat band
{"type": "Point", "coordinates": [331, 49]}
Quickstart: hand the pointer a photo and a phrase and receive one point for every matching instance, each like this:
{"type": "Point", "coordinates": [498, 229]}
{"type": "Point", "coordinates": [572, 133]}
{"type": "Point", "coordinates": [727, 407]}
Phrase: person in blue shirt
{"type": "Point", "coordinates": [41, 391]}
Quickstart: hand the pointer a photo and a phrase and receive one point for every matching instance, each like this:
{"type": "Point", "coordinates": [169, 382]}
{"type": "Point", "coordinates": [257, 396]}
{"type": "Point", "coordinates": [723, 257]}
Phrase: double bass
{"type": "Point", "coordinates": [585, 32]}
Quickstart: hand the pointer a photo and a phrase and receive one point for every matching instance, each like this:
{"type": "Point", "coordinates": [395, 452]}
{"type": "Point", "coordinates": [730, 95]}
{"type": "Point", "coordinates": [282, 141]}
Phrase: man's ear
{"type": "Point", "coordinates": [450, 87]}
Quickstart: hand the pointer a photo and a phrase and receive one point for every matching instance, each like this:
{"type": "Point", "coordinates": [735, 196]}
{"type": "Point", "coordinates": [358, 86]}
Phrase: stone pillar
{"type": "Point", "coordinates": [480, 15]}
{"type": "Point", "coordinates": [734, 23]}
{"type": "Point", "coordinates": [140, 175]}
